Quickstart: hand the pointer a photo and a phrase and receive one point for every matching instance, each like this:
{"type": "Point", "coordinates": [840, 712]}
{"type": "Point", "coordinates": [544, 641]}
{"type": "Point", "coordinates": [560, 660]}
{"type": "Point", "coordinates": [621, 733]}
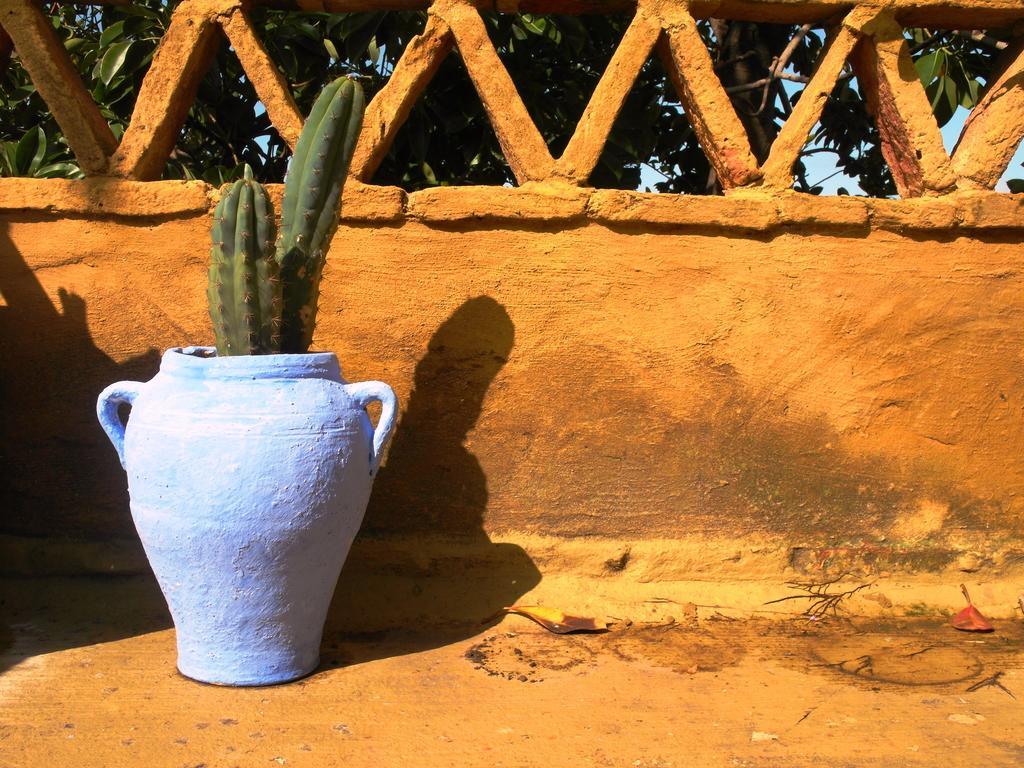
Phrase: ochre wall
{"type": "Point", "coordinates": [642, 397]}
{"type": "Point", "coordinates": [818, 385]}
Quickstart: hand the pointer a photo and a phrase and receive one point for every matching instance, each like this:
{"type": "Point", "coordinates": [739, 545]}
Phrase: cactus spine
{"type": "Point", "coordinates": [243, 288]}
{"type": "Point", "coordinates": [262, 301]}
{"type": "Point", "coordinates": [310, 209]}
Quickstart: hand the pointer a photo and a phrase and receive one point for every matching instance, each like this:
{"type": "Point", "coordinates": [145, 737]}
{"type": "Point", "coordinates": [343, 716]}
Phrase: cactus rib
{"type": "Point", "coordinates": [311, 205]}
{"type": "Point", "coordinates": [243, 285]}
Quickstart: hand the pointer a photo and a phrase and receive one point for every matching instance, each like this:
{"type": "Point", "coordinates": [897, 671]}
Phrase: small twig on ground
{"type": "Point", "coordinates": [719, 616]}
{"type": "Point", "coordinates": [994, 682]}
{"type": "Point", "coordinates": [865, 662]}
{"type": "Point", "coordinates": [966, 594]}
{"type": "Point", "coordinates": [822, 600]}
{"type": "Point", "coordinates": [805, 716]}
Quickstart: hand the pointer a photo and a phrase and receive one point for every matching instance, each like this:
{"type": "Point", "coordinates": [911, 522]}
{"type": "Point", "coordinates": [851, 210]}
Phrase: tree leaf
{"type": "Point", "coordinates": [969, 95]}
{"type": "Point", "coordinates": [535, 24]}
{"type": "Point", "coordinates": [8, 158]}
{"type": "Point", "coordinates": [942, 95]}
{"type": "Point", "coordinates": [138, 10]}
{"type": "Point", "coordinates": [113, 59]}
{"type": "Point", "coordinates": [28, 151]}
{"type": "Point", "coordinates": [926, 66]}
{"type": "Point", "coordinates": [59, 171]}
{"type": "Point", "coordinates": [428, 173]}
{"type": "Point", "coordinates": [40, 155]}
{"type": "Point", "coordinates": [111, 33]}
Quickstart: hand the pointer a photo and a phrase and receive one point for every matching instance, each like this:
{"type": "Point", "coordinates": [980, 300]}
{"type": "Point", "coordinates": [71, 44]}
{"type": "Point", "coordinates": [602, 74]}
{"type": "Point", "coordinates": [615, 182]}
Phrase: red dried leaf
{"type": "Point", "coordinates": [970, 618]}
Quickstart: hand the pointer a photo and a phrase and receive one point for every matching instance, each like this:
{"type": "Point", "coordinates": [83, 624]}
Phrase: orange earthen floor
{"type": "Point", "coordinates": [87, 679]}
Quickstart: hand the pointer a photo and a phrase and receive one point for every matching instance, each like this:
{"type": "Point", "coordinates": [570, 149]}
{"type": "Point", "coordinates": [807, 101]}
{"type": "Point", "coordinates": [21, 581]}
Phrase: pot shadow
{"type": "Point", "coordinates": [445, 580]}
{"type": "Point", "coordinates": [62, 483]}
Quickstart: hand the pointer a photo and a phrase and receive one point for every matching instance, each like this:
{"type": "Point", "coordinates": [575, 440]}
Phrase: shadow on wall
{"type": "Point", "coordinates": [431, 485]}
{"type": "Point", "coordinates": [59, 477]}
{"type": "Point", "coordinates": [433, 488]}
{"type": "Point", "coordinates": [430, 482]}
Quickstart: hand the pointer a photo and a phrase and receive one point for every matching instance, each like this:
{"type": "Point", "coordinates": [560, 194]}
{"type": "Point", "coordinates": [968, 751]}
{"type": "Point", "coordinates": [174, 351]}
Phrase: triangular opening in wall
{"type": "Point", "coordinates": [764, 68]}
{"type": "Point", "coordinates": [955, 66]}
{"type": "Point", "coordinates": [227, 128]}
{"type": "Point", "coordinates": [25, 126]}
{"type": "Point", "coordinates": [555, 62]}
{"type": "Point", "coordinates": [652, 146]}
{"type": "Point", "coordinates": [1012, 179]}
{"type": "Point", "coordinates": [111, 47]}
{"type": "Point", "coordinates": [843, 153]}
{"type": "Point", "coordinates": [113, 51]}
{"type": "Point", "coordinates": [313, 49]}
{"type": "Point", "coordinates": [447, 139]}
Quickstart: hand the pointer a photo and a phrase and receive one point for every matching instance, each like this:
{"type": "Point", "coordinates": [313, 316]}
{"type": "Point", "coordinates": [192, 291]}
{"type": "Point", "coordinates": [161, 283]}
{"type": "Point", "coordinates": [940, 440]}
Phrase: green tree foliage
{"type": "Point", "coordinates": [555, 62]}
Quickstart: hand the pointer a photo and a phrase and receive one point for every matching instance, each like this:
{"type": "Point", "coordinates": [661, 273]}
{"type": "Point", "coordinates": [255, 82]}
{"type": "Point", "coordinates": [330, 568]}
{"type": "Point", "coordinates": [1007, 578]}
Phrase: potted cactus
{"type": "Point", "coordinates": [250, 464]}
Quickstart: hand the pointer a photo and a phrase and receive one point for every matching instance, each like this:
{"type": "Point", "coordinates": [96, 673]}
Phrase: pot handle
{"type": "Point", "coordinates": [106, 411]}
{"type": "Point", "coordinates": [366, 392]}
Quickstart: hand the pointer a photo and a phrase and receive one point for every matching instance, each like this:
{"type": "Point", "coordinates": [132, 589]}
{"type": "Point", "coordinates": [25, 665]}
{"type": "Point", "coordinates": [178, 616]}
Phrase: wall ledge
{"type": "Point", "coordinates": [541, 204]}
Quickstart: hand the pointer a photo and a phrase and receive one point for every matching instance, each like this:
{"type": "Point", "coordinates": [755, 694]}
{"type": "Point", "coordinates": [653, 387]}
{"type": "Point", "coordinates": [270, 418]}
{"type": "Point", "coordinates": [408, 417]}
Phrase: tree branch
{"type": "Point", "coordinates": [766, 81]}
{"type": "Point", "coordinates": [979, 36]}
{"type": "Point", "coordinates": [787, 53]}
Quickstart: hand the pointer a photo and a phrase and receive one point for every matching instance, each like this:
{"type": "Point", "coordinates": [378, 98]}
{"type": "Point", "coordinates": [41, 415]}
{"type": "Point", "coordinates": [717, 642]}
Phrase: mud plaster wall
{"type": "Point", "coordinates": [581, 379]}
{"type": "Point", "coordinates": [576, 365]}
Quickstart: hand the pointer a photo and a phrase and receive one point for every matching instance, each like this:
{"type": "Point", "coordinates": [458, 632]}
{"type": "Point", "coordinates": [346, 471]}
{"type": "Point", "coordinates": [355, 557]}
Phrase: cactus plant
{"type": "Point", "coordinates": [264, 301]}
{"type": "Point", "coordinates": [309, 211]}
{"type": "Point", "coordinates": [243, 289]}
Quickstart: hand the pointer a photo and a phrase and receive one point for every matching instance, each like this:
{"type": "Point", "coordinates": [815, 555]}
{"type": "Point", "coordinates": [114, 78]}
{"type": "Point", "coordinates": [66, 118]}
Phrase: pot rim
{"type": "Point", "coordinates": [202, 362]}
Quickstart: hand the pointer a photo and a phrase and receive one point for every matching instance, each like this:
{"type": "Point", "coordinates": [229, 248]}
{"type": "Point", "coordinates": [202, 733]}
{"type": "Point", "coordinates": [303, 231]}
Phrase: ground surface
{"type": "Point", "coordinates": [88, 679]}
